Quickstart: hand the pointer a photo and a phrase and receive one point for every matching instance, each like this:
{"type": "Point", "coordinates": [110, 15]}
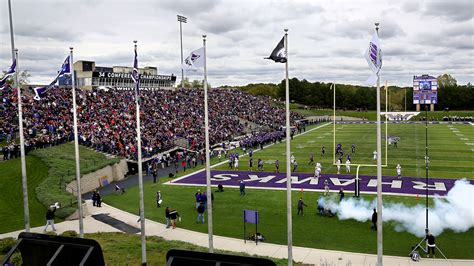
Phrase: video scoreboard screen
{"type": "Point", "coordinates": [425, 90]}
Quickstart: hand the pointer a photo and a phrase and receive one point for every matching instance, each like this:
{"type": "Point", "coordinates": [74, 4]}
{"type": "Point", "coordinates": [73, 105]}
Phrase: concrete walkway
{"type": "Point", "coordinates": [300, 254]}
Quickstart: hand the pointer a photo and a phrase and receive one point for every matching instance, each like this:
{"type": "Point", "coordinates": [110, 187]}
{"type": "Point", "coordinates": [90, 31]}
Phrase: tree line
{"type": "Point", "coordinates": [354, 97]}
{"type": "Point", "coordinates": [349, 97]}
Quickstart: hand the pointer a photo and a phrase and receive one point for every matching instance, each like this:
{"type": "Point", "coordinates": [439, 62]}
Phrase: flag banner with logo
{"type": "Point", "coordinates": [195, 60]}
{"type": "Point", "coordinates": [40, 92]}
{"type": "Point", "coordinates": [373, 55]}
{"type": "Point", "coordinates": [279, 54]}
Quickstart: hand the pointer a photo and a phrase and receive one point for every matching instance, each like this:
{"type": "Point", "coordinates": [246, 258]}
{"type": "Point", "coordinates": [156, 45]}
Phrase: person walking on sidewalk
{"type": "Point", "coordinates": [200, 210]}
{"type": "Point", "coordinates": [50, 218]}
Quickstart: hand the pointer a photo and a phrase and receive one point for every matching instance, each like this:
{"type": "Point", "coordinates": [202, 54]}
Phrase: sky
{"type": "Point", "coordinates": [326, 39]}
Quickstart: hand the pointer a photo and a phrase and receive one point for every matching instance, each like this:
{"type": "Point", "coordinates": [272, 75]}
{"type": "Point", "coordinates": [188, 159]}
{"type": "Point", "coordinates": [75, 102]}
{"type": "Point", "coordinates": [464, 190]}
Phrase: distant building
{"type": "Point", "coordinates": [89, 76]}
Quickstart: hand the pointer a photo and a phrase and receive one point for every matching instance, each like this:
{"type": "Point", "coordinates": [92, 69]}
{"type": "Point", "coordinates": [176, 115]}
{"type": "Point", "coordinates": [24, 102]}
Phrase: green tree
{"type": "Point", "coordinates": [446, 80]}
{"type": "Point", "coordinates": [267, 89]}
{"type": "Point", "coordinates": [197, 84]}
{"type": "Point", "coordinates": [23, 77]}
{"type": "Point", "coordinates": [184, 83]}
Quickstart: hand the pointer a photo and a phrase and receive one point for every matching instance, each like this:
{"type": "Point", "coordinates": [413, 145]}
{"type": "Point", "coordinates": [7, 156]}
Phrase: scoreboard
{"type": "Point", "coordinates": [425, 90]}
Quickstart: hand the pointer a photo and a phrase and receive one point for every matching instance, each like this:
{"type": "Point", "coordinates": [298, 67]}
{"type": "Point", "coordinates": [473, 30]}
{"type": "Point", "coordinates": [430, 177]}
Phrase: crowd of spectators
{"type": "Point", "coordinates": [262, 138]}
{"type": "Point", "coordinates": [106, 118]}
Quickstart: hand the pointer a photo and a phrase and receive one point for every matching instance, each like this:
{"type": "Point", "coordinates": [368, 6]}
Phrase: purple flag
{"type": "Point", "coordinates": [9, 73]}
{"type": "Point", "coordinates": [135, 76]}
{"type": "Point", "coordinates": [40, 92]}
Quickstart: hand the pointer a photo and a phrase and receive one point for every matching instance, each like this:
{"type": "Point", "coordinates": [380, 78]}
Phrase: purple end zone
{"type": "Point", "coordinates": [390, 184]}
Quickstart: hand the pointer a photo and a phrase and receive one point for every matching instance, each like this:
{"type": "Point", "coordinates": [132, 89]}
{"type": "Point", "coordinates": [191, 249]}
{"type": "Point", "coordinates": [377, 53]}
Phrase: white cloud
{"type": "Point", "coordinates": [326, 39]}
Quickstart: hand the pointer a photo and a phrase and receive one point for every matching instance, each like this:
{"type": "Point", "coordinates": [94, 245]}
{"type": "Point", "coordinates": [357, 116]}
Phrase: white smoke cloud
{"type": "Point", "coordinates": [455, 211]}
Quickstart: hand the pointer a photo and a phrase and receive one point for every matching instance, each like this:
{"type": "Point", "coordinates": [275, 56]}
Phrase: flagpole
{"type": "Point", "coordinates": [12, 39]}
{"type": "Point", "coordinates": [26, 209]}
{"type": "Point", "coordinates": [208, 159]}
{"type": "Point", "coordinates": [386, 123]}
{"type": "Point", "coordinates": [76, 146]}
{"type": "Point", "coordinates": [288, 163]}
{"type": "Point", "coordinates": [24, 180]}
{"type": "Point", "coordinates": [379, 173]}
{"type": "Point", "coordinates": [140, 174]}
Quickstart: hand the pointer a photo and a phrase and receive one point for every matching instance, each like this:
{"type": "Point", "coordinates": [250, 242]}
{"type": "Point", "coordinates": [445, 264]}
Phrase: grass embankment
{"type": "Point", "coordinates": [125, 249]}
{"type": "Point", "coordinates": [61, 162]}
{"type": "Point", "coordinates": [11, 198]}
{"type": "Point", "coordinates": [48, 173]}
{"type": "Point", "coordinates": [119, 248]}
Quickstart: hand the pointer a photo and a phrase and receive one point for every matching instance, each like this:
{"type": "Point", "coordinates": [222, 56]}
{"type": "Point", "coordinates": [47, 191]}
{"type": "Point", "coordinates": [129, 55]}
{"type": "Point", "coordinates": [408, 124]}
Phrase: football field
{"type": "Point", "coordinates": [450, 158]}
{"type": "Point", "coordinates": [450, 150]}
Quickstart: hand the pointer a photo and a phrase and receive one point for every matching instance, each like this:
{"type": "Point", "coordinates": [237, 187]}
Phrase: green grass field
{"type": "Point", "coordinates": [310, 230]}
{"type": "Point", "coordinates": [449, 156]}
{"type": "Point", "coordinates": [451, 159]}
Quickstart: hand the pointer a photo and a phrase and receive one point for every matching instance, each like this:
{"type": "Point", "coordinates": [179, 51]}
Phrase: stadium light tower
{"type": "Point", "coordinates": [181, 20]}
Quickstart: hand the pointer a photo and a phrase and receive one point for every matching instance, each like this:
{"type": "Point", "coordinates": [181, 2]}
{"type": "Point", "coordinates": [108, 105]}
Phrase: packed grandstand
{"type": "Point", "coordinates": [107, 119]}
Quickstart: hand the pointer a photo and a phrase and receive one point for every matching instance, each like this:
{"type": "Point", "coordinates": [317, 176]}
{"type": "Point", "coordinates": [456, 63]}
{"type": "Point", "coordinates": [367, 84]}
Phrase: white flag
{"type": "Point", "coordinates": [373, 55]}
{"type": "Point", "coordinates": [195, 60]}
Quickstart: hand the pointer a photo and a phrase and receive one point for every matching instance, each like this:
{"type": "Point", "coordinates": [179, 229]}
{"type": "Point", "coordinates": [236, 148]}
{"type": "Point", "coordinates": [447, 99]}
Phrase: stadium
{"type": "Point", "coordinates": [89, 76]}
{"type": "Point", "coordinates": [131, 167]}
